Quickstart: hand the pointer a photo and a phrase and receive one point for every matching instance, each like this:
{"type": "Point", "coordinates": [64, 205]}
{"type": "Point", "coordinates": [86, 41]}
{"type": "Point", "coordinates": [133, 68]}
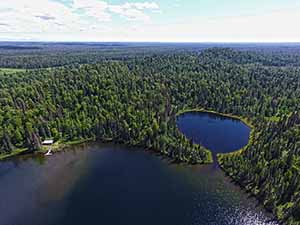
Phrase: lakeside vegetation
{"type": "Point", "coordinates": [90, 103]}
{"type": "Point", "coordinates": [268, 167]}
{"type": "Point", "coordinates": [135, 102]}
{"type": "Point", "coordinates": [10, 70]}
{"type": "Point", "coordinates": [244, 120]}
{"type": "Point", "coordinates": [13, 153]}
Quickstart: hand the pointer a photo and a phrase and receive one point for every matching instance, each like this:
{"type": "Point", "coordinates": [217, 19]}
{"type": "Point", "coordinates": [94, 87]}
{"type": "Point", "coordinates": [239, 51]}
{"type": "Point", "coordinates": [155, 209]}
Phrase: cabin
{"type": "Point", "coordinates": [48, 142]}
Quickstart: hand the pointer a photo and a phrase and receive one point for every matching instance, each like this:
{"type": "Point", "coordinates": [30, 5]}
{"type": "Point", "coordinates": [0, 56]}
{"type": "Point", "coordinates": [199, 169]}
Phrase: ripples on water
{"type": "Point", "coordinates": [226, 205]}
{"type": "Point", "coordinates": [115, 185]}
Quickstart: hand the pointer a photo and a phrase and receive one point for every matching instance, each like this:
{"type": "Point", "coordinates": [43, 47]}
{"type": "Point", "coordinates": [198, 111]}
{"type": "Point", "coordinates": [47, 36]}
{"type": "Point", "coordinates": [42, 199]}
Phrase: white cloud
{"type": "Point", "coordinates": [27, 16]}
{"type": "Point", "coordinates": [46, 16]}
{"type": "Point", "coordinates": [134, 11]}
{"type": "Point", "coordinates": [129, 13]}
{"type": "Point", "coordinates": [92, 20]}
{"type": "Point", "coordinates": [144, 5]}
{"type": "Point", "coordinates": [93, 8]}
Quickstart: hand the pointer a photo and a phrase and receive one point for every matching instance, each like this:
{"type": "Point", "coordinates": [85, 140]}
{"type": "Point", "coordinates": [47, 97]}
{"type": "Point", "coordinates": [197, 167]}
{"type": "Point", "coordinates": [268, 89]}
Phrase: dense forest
{"type": "Point", "coordinates": [32, 55]}
{"type": "Point", "coordinates": [269, 167]}
{"type": "Point", "coordinates": [135, 101]}
{"type": "Point", "coordinates": [105, 101]}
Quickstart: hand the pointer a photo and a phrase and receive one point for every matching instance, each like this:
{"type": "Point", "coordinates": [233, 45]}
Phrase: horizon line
{"type": "Point", "coordinates": [159, 42]}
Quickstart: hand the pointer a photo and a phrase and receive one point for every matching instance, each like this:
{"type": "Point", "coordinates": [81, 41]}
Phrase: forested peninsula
{"type": "Point", "coordinates": [135, 101]}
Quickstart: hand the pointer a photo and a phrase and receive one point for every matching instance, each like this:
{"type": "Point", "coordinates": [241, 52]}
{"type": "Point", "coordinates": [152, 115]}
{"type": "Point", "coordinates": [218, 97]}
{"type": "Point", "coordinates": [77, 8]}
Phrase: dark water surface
{"type": "Point", "coordinates": [217, 133]}
{"type": "Point", "coordinates": [117, 185]}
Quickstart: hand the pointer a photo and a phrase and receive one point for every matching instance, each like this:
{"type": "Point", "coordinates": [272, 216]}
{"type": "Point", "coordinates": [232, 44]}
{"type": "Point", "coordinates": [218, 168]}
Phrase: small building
{"type": "Point", "coordinates": [48, 142]}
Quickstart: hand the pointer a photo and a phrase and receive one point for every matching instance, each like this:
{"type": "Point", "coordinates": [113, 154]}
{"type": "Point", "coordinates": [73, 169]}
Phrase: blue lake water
{"type": "Point", "coordinates": [217, 133]}
{"type": "Point", "coordinates": [116, 185]}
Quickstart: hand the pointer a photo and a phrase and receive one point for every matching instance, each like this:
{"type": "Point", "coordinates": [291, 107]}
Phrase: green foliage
{"type": "Point", "coordinates": [135, 101]}
{"type": "Point", "coordinates": [105, 101]}
{"type": "Point", "coordinates": [10, 71]}
{"type": "Point", "coordinates": [269, 167]}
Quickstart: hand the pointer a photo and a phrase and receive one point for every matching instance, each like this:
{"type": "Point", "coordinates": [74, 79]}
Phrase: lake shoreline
{"type": "Point", "coordinates": [145, 180]}
{"type": "Point", "coordinates": [220, 156]}
{"type": "Point", "coordinates": [244, 120]}
{"type": "Point", "coordinates": [64, 146]}
{"type": "Point", "coordinates": [60, 145]}
{"type": "Point", "coordinates": [200, 110]}
{"type": "Point", "coordinates": [57, 147]}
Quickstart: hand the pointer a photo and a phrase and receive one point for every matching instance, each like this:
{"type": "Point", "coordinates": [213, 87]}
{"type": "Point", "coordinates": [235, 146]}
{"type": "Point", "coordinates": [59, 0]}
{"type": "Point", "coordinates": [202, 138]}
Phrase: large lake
{"type": "Point", "coordinates": [219, 134]}
{"type": "Point", "coordinates": [117, 185]}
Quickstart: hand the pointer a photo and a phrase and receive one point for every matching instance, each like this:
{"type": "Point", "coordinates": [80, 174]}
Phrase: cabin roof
{"type": "Point", "coordinates": [48, 142]}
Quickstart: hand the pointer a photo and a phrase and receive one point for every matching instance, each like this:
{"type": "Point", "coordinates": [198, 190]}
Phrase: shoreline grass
{"type": "Point", "coordinates": [56, 147]}
{"type": "Point", "coordinates": [246, 121]}
{"type": "Point", "coordinates": [11, 70]}
{"type": "Point", "coordinates": [13, 153]}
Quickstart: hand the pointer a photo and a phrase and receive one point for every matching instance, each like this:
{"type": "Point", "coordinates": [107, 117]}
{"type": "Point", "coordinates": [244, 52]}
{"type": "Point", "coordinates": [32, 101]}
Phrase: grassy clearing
{"type": "Point", "coordinates": [275, 119]}
{"type": "Point", "coordinates": [13, 153]}
{"type": "Point", "coordinates": [56, 147]}
{"type": "Point", "coordinates": [61, 145]}
{"type": "Point", "coordinates": [10, 70]}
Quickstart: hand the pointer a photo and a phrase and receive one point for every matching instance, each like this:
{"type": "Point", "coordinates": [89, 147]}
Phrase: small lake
{"type": "Point", "coordinates": [116, 185]}
{"type": "Point", "coordinates": [217, 133]}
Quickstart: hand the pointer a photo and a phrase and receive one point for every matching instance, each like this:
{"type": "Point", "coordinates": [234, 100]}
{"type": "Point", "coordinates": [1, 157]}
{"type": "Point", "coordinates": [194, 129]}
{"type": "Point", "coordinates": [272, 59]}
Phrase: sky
{"type": "Point", "coordinates": [150, 21]}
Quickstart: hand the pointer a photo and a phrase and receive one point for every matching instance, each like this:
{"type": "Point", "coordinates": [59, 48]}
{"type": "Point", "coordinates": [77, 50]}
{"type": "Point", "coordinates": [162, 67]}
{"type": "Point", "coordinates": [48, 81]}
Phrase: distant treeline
{"type": "Point", "coordinates": [135, 101]}
{"type": "Point", "coordinates": [31, 55]}
{"type": "Point", "coordinates": [14, 47]}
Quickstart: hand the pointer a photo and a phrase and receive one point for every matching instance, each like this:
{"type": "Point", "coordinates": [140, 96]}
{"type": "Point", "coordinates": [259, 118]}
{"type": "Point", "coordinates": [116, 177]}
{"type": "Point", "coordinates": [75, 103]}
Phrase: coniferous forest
{"type": "Point", "coordinates": [134, 100]}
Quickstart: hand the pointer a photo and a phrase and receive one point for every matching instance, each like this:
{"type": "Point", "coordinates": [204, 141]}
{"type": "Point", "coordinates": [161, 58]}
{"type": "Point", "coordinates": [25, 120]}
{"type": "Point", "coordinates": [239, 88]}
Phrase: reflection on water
{"type": "Point", "coordinates": [109, 184]}
{"type": "Point", "coordinates": [217, 133]}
